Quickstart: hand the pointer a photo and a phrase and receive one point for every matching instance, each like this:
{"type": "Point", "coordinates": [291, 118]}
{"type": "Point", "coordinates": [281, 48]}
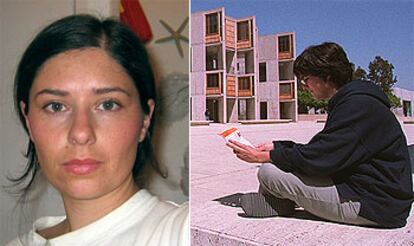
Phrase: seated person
{"type": "Point", "coordinates": [355, 171]}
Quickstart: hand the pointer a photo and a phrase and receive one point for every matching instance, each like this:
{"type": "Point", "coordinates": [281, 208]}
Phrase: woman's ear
{"type": "Point", "coordinates": [147, 120]}
{"type": "Point", "coordinates": [26, 119]}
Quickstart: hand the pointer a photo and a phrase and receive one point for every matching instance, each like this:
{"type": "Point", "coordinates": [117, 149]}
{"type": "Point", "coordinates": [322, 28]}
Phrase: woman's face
{"type": "Point", "coordinates": [86, 121]}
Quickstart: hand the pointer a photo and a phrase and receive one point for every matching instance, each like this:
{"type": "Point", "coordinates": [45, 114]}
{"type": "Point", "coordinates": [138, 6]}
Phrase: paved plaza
{"type": "Point", "coordinates": [217, 173]}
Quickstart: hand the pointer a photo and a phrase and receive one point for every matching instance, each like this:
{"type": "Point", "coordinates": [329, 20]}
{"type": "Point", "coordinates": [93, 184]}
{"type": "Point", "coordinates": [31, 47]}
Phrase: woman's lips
{"type": "Point", "coordinates": [81, 167]}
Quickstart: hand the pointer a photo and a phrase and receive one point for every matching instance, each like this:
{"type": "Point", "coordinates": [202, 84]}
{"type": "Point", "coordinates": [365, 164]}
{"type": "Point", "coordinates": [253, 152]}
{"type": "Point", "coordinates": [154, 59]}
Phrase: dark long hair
{"type": "Point", "coordinates": [326, 59]}
{"type": "Point", "coordinates": [78, 32]}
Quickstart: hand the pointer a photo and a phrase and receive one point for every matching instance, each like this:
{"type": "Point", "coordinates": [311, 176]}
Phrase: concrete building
{"type": "Point", "coordinates": [407, 102]}
{"type": "Point", "coordinates": [237, 75]}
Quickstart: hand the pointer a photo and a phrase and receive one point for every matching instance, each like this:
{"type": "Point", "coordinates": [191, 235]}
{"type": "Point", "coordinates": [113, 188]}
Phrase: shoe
{"type": "Point", "coordinates": [257, 205]}
{"type": "Point", "coordinates": [232, 200]}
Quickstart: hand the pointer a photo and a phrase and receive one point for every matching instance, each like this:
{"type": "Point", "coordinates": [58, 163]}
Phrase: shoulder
{"type": "Point", "coordinates": [360, 105]}
{"type": "Point", "coordinates": [362, 94]}
{"type": "Point", "coordinates": [172, 213]}
{"type": "Point", "coordinates": [160, 208]}
{"type": "Point", "coordinates": [170, 223]}
{"type": "Point", "coordinates": [16, 242]}
{"type": "Point", "coordinates": [29, 238]}
{"type": "Point", "coordinates": [39, 231]}
{"type": "Point", "coordinates": [171, 207]}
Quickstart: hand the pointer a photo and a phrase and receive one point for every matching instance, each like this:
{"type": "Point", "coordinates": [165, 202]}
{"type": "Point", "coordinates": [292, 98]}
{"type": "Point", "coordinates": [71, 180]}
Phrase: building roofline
{"type": "Point", "coordinates": [402, 89]}
{"type": "Point", "coordinates": [245, 18]}
{"type": "Point", "coordinates": [276, 34]}
{"type": "Point", "coordinates": [227, 16]}
{"type": "Point", "coordinates": [285, 33]}
{"type": "Point", "coordinates": [209, 11]}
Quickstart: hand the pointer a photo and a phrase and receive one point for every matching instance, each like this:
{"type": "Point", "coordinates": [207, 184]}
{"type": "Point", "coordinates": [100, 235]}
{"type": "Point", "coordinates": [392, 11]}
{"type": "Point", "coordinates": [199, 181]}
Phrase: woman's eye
{"type": "Point", "coordinates": [108, 106]}
{"type": "Point", "coordinates": [55, 107]}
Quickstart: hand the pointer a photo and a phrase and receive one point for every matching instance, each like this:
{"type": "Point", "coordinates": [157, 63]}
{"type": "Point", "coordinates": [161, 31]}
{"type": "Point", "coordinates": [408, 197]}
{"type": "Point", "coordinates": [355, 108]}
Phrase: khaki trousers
{"type": "Point", "coordinates": [317, 195]}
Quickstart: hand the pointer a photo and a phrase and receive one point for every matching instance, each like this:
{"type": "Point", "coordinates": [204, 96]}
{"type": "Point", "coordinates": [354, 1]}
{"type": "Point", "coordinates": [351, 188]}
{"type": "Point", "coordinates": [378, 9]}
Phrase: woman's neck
{"type": "Point", "coordinates": [81, 212]}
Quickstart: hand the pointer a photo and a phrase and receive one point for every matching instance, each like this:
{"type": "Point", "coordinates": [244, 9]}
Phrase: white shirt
{"type": "Point", "coordinates": [141, 220]}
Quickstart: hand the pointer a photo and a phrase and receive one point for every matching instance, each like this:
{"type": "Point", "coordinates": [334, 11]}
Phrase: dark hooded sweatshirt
{"type": "Point", "coordinates": [364, 151]}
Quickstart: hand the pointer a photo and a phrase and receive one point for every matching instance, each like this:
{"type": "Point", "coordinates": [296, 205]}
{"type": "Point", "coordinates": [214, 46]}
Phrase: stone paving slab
{"type": "Point", "coordinates": [216, 172]}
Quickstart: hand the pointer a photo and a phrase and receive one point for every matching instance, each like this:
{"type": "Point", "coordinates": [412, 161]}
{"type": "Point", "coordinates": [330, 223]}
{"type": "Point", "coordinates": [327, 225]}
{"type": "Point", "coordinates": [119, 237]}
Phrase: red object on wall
{"type": "Point", "coordinates": [132, 14]}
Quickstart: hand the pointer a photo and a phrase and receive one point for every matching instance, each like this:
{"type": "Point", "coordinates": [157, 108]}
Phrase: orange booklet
{"type": "Point", "coordinates": [235, 135]}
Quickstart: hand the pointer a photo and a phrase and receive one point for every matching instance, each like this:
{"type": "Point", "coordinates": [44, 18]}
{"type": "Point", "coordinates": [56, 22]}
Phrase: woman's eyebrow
{"type": "Point", "coordinates": [55, 92]}
{"type": "Point", "coordinates": [105, 90]}
{"type": "Point", "coordinates": [99, 91]}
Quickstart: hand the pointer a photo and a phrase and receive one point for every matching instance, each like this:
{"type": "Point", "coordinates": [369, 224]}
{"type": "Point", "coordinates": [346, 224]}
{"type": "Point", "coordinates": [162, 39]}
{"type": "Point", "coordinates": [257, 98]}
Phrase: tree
{"type": "Point", "coordinates": [306, 101]}
{"type": "Point", "coordinates": [360, 74]}
{"type": "Point", "coordinates": [381, 73]}
{"type": "Point", "coordinates": [394, 100]}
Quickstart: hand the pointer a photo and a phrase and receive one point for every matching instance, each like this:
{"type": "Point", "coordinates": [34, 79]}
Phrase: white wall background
{"type": "Point", "coordinates": [20, 20]}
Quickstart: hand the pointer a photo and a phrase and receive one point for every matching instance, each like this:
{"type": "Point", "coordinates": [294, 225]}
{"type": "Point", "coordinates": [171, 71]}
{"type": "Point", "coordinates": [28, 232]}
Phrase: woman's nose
{"type": "Point", "coordinates": [82, 130]}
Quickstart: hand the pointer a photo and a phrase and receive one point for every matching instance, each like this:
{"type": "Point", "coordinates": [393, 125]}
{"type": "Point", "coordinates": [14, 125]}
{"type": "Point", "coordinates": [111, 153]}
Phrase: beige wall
{"type": "Point", "coordinates": [171, 133]}
{"type": "Point", "coordinates": [20, 20]}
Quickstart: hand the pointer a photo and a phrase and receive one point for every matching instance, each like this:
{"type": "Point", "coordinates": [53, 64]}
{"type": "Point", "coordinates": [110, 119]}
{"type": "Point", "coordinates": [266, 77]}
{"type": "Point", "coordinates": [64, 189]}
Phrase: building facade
{"type": "Point", "coordinates": [407, 102]}
{"type": "Point", "coordinates": [237, 75]}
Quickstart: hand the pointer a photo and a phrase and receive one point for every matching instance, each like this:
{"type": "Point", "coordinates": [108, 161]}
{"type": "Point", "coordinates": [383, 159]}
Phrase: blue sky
{"type": "Point", "coordinates": [365, 28]}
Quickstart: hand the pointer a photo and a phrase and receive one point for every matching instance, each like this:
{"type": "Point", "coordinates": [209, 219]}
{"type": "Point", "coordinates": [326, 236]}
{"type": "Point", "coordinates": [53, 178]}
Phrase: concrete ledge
{"type": "Point", "coordinates": [217, 173]}
{"type": "Point", "coordinates": [201, 236]}
{"type": "Point", "coordinates": [253, 122]}
{"type": "Point", "coordinates": [199, 123]}
{"type": "Point", "coordinates": [287, 231]}
{"type": "Point", "coordinates": [311, 117]}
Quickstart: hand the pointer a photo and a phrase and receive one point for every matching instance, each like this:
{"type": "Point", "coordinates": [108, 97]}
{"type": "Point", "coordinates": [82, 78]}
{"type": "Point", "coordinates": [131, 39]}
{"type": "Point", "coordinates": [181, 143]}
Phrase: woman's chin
{"type": "Point", "coordinates": [82, 190]}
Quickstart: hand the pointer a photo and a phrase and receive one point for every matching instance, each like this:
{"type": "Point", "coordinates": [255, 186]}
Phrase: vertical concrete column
{"type": "Point", "coordinates": [256, 69]}
{"type": "Point", "coordinates": [223, 46]}
{"type": "Point", "coordinates": [295, 83]}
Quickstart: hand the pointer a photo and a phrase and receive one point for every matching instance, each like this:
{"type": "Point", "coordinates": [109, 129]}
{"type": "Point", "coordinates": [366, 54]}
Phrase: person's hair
{"type": "Point", "coordinates": [80, 32]}
{"type": "Point", "coordinates": [326, 59]}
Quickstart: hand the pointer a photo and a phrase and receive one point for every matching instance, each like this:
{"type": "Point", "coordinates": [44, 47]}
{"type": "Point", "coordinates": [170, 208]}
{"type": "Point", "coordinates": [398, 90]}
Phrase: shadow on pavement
{"type": "Point", "coordinates": [233, 200]}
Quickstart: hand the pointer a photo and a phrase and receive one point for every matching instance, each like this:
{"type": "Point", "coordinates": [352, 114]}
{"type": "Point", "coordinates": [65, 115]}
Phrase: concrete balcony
{"type": "Point", "coordinates": [245, 44]}
{"type": "Point", "coordinates": [285, 55]}
{"type": "Point", "coordinates": [213, 38]}
{"type": "Point", "coordinates": [214, 83]}
{"type": "Point", "coordinates": [246, 86]}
